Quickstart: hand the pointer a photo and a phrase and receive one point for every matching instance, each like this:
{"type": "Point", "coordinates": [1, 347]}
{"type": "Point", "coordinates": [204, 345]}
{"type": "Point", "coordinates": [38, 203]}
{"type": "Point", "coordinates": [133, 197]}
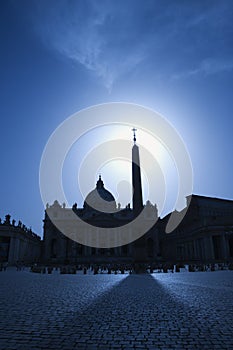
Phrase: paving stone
{"type": "Point", "coordinates": [163, 311]}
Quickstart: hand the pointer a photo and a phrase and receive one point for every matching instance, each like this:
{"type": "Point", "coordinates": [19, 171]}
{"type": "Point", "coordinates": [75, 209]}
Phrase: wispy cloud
{"type": "Point", "coordinates": [93, 35]}
{"type": "Point", "coordinates": [213, 66]}
{"type": "Point", "coordinates": [114, 38]}
{"type": "Point", "coordinates": [209, 66]}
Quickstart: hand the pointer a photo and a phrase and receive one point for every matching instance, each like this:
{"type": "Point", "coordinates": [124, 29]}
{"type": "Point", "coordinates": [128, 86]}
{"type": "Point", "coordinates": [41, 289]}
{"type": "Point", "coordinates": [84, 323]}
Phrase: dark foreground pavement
{"type": "Point", "coordinates": [160, 311]}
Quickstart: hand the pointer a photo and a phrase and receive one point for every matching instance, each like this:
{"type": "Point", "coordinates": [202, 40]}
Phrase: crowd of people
{"type": "Point", "coordinates": [130, 268]}
{"type": "Point", "coordinates": [120, 268]}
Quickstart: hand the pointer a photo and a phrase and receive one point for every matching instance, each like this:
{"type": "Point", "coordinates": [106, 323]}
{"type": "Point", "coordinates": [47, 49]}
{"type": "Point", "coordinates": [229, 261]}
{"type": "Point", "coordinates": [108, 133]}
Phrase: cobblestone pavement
{"type": "Point", "coordinates": [159, 311]}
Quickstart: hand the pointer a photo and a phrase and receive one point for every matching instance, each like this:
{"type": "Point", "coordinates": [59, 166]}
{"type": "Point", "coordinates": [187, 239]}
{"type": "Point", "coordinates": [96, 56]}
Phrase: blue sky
{"type": "Point", "coordinates": [58, 57]}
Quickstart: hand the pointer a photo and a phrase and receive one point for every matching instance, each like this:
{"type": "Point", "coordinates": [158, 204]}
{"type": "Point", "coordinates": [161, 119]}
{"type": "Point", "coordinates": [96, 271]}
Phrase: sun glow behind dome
{"type": "Point", "coordinates": [91, 125]}
{"type": "Point", "coordinates": [113, 160]}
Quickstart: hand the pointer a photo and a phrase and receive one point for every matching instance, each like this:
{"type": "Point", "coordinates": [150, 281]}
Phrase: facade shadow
{"type": "Point", "coordinates": [140, 313]}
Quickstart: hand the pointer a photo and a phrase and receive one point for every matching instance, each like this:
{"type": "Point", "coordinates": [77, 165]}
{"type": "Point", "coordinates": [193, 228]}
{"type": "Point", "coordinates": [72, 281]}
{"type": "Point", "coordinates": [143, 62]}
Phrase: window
{"type": "Point", "coordinates": [53, 248]}
{"type": "Point", "coordinates": [150, 247]}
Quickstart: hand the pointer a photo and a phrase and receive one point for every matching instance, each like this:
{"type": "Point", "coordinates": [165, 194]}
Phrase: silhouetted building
{"type": "Point", "coordinates": [18, 244]}
{"type": "Point", "coordinates": [100, 210]}
{"type": "Point", "coordinates": [204, 236]}
{"type": "Point", "coordinates": [60, 249]}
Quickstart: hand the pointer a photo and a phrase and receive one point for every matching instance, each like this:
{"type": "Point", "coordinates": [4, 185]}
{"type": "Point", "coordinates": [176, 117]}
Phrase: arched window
{"type": "Point", "coordinates": [231, 246]}
{"type": "Point", "coordinates": [79, 249]}
{"type": "Point", "coordinates": [53, 248]}
{"type": "Point", "coordinates": [125, 250]}
{"type": "Point", "coordinates": [150, 247]}
{"type": "Point", "coordinates": [102, 251]}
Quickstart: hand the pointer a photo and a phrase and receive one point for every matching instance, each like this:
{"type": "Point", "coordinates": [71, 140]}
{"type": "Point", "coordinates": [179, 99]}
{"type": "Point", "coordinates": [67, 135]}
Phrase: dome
{"type": "Point", "coordinates": [100, 199]}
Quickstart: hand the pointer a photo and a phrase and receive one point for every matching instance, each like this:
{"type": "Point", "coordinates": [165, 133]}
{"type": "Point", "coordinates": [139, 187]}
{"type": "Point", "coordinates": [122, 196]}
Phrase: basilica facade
{"type": "Point", "coordinates": [205, 235]}
{"type": "Point", "coordinates": [101, 211]}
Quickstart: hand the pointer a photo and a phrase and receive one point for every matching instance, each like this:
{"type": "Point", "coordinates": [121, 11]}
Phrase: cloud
{"type": "Point", "coordinates": [113, 38]}
{"type": "Point", "coordinates": [213, 66]}
{"type": "Point", "coordinates": [209, 66]}
{"type": "Point", "coordinates": [91, 34]}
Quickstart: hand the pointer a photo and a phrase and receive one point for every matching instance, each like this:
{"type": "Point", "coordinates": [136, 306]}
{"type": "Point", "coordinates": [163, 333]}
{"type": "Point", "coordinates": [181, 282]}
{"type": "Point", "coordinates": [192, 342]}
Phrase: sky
{"type": "Point", "coordinates": [58, 57]}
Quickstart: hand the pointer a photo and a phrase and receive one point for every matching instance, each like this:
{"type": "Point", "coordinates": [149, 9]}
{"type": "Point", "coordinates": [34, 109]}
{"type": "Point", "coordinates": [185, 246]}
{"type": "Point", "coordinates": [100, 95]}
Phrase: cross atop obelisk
{"type": "Point", "coordinates": [134, 135]}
